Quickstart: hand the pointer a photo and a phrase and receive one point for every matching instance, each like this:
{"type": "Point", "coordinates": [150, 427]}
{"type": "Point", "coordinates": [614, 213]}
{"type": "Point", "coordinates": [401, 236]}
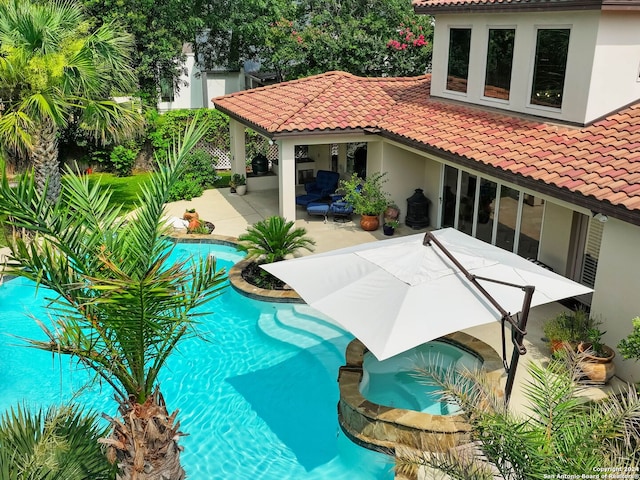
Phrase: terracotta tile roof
{"type": "Point", "coordinates": [600, 161]}
{"type": "Point", "coordinates": [452, 6]}
{"type": "Point", "coordinates": [330, 101]}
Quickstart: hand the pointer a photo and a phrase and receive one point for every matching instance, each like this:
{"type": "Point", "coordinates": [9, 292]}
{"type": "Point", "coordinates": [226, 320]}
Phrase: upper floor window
{"type": "Point", "coordinates": [458, 69]}
{"type": "Point", "coordinates": [497, 81]}
{"type": "Point", "coordinates": [550, 67]}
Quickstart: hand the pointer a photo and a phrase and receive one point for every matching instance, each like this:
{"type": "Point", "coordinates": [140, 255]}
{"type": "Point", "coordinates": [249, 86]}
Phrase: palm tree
{"type": "Point", "coordinates": [120, 305]}
{"type": "Point", "coordinates": [54, 70]}
{"type": "Point", "coordinates": [563, 433]}
{"type": "Point", "coordinates": [59, 443]}
{"type": "Point", "coordinates": [273, 239]}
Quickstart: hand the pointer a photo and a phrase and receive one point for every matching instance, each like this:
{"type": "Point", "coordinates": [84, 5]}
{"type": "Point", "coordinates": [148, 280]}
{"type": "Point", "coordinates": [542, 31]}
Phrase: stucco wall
{"type": "Point", "coordinates": [406, 172]}
{"type": "Point", "coordinates": [554, 240]}
{"type": "Point", "coordinates": [201, 88]}
{"type": "Point", "coordinates": [617, 290]}
{"type": "Point", "coordinates": [584, 30]}
{"type": "Point", "coordinates": [615, 79]}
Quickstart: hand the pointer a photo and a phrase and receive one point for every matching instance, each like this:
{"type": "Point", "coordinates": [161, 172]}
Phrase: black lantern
{"type": "Point", "coordinates": [417, 210]}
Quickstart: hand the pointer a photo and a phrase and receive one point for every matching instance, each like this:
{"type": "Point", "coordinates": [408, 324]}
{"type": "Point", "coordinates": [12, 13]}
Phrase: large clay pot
{"type": "Point", "coordinates": [597, 369]}
{"type": "Point", "coordinates": [188, 216]}
{"type": "Point", "coordinates": [369, 223]}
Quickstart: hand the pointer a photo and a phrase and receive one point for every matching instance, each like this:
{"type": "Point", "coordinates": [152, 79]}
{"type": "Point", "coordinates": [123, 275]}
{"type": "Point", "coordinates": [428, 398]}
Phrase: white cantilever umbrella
{"type": "Point", "coordinates": [396, 294]}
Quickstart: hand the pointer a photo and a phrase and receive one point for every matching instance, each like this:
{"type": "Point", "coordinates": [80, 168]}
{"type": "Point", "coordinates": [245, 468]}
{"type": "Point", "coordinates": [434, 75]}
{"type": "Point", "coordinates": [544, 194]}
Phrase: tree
{"type": "Point", "coordinates": [159, 29]}
{"type": "Point", "coordinates": [61, 443]}
{"type": "Point", "coordinates": [120, 304]}
{"type": "Point", "coordinates": [55, 69]}
{"type": "Point", "coordinates": [563, 434]}
{"type": "Point", "coordinates": [297, 39]}
{"type": "Point", "coordinates": [356, 36]}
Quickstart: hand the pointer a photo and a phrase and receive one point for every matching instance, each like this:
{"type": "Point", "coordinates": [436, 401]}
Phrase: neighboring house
{"type": "Point", "coordinates": [197, 86]}
{"type": "Point", "coordinates": [526, 135]}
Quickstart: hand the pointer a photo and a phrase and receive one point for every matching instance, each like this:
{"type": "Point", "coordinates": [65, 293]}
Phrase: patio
{"type": "Point", "coordinates": [232, 213]}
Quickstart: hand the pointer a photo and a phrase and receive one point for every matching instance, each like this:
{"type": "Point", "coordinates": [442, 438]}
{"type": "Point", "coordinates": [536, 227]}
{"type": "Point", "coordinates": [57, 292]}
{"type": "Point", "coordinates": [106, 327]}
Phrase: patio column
{"type": "Point", "coordinates": [238, 153]}
{"type": "Point", "coordinates": [287, 179]}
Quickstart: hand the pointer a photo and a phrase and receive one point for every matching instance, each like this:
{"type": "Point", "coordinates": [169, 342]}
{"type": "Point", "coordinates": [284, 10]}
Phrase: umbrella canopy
{"type": "Point", "coordinates": [396, 294]}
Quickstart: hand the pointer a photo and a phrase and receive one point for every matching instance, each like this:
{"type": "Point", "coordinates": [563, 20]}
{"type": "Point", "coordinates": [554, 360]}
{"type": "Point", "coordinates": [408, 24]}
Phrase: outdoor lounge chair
{"type": "Point", "coordinates": [325, 184]}
{"type": "Point", "coordinates": [340, 209]}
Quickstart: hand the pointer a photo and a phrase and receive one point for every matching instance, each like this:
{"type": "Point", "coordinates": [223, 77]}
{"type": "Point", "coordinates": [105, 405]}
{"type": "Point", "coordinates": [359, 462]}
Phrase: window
{"type": "Point", "coordinates": [467, 202]}
{"type": "Point", "coordinates": [166, 90]}
{"type": "Point", "coordinates": [450, 187]}
{"type": "Point", "coordinates": [507, 217]}
{"type": "Point", "coordinates": [486, 210]}
{"type": "Point", "coordinates": [497, 81]}
{"type": "Point", "coordinates": [550, 67]}
{"type": "Point", "coordinates": [458, 70]}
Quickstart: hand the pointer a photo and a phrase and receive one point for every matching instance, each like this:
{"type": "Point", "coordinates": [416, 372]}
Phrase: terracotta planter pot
{"type": "Point", "coordinates": [562, 345]}
{"type": "Point", "coordinates": [392, 213]}
{"type": "Point", "coordinates": [597, 369]}
{"type": "Point", "coordinates": [369, 223]}
{"type": "Point", "coordinates": [188, 216]}
{"type": "Point", "coordinates": [193, 224]}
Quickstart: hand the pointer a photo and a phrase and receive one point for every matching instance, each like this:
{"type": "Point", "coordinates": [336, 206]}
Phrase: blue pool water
{"type": "Point", "coordinates": [257, 398]}
{"type": "Point", "coordinates": [394, 383]}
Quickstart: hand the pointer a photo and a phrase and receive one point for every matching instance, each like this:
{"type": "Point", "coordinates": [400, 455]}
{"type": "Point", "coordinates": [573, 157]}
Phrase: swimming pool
{"type": "Point", "coordinates": [258, 398]}
{"type": "Point", "coordinates": [393, 382]}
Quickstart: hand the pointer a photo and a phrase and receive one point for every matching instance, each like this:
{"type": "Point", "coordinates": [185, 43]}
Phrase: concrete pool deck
{"type": "Point", "coordinates": [232, 214]}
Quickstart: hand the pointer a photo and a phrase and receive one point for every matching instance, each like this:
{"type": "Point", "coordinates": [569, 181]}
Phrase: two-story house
{"type": "Point", "coordinates": [526, 135]}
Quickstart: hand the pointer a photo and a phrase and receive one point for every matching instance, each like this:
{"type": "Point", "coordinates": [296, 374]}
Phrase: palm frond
{"type": "Point", "coordinates": [121, 304]}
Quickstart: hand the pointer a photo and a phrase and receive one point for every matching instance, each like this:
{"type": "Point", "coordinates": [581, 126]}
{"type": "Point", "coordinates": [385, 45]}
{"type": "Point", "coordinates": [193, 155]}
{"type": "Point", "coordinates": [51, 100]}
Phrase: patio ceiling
{"type": "Point", "coordinates": [595, 166]}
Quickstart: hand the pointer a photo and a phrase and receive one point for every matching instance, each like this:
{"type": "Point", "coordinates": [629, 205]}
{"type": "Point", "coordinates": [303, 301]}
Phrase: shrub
{"type": "Point", "coordinates": [185, 189]}
{"type": "Point", "coordinates": [630, 347]}
{"type": "Point", "coordinates": [200, 167]}
{"type": "Point", "coordinates": [199, 173]}
{"type": "Point", "coordinates": [122, 160]}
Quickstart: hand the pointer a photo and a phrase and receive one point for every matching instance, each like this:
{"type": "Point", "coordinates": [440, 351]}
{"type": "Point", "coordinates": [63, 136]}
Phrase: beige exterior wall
{"type": "Point", "coordinates": [582, 44]}
{"type": "Point", "coordinates": [556, 233]}
{"type": "Point", "coordinates": [615, 80]}
{"type": "Point", "coordinates": [407, 171]}
{"type": "Point", "coordinates": [617, 291]}
{"type": "Point", "coordinates": [201, 88]}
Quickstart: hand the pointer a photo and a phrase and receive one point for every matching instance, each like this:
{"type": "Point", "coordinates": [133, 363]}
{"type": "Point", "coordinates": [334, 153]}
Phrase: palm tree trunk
{"type": "Point", "coordinates": [45, 159]}
{"type": "Point", "coordinates": [144, 443]}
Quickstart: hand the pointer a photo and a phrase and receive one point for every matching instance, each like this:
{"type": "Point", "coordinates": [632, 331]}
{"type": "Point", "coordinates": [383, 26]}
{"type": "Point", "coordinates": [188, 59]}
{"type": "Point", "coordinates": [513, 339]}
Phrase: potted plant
{"type": "Point", "coordinates": [392, 212]}
{"type": "Point", "coordinates": [367, 198]}
{"type": "Point", "coordinates": [238, 184]}
{"type": "Point", "coordinates": [566, 330]}
{"type": "Point", "coordinates": [190, 214]}
{"type": "Point", "coordinates": [596, 359]}
{"type": "Point", "coordinates": [390, 226]}
{"type": "Point", "coordinates": [630, 347]}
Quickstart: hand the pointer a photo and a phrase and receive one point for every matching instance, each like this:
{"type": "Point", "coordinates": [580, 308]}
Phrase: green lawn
{"type": "Point", "coordinates": [124, 190]}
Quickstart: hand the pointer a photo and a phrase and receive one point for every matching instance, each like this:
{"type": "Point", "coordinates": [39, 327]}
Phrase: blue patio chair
{"type": "Point", "coordinates": [325, 184]}
{"type": "Point", "coordinates": [340, 209]}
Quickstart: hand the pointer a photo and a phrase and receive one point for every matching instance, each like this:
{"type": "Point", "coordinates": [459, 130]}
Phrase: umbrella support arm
{"type": "Point", "coordinates": [518, 329]}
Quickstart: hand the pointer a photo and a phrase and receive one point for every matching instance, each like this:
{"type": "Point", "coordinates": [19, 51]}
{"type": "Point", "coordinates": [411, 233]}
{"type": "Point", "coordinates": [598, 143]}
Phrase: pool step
{"type": "Point", "coordinates": [312, 325]}
{"type": "Point", "coordinates": [306, 311]}
{"type": "Point", "coordinates": [304, 333]}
